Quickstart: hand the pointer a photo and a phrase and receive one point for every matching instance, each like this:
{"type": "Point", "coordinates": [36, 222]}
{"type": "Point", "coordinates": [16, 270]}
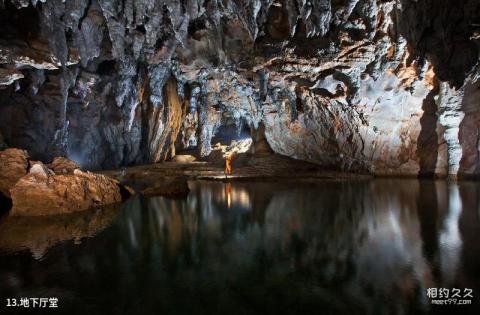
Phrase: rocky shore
{"type": "Point", "coordinates": [61, 187]}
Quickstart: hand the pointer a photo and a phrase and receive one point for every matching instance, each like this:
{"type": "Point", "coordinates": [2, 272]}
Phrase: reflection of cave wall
{"type": "Point", "coordinates": [358, 85]}
{"type": "Point", "coordinates": [338, 245]}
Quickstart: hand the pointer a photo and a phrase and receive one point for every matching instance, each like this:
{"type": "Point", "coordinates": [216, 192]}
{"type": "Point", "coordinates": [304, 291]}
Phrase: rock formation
{"type": "Point", "coordinates": [61, 165]}
{"type": "Point", "coordinates": [13, 165]}
{"type": "Point", "coordinates": [35, 189]}
{"type": "Point", "coordinates": [386, 87]}
{"type": "Point", "coordinates": [167, 186]}
{"type": "Point", "coordinates": [41, 192]}
{"type": "Point", "coordinates": [37, 234]}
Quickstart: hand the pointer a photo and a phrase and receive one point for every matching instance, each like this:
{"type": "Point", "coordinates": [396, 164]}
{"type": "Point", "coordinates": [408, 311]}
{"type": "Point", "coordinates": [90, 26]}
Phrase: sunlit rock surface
{"type": "Point", "coordinates": [358, 85]}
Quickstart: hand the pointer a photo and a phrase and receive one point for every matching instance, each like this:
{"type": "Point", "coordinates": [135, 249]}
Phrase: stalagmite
{"type": "Point", "coordinates": [345, 84]}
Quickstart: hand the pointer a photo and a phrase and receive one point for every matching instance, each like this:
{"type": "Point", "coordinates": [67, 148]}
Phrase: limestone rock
{"type": "Point", "coordinates": [183, 158]}
{"type": "Point", "coordinates": [7, 77]}
{"type": "Point", "coordinates": [40, 193]}
{"type": "Point", "coordinates": [34, 54]}
{"type": "Point", "coordinates": [61, 165]}
{"type": "Point", "coordinates": [40, 170]}
{"type": "Point", "coordinates": [349, 84]}
{"type": "Point", "coordinates": [167, 187]}
{"type": "Point", "coordinates": [13, 165]}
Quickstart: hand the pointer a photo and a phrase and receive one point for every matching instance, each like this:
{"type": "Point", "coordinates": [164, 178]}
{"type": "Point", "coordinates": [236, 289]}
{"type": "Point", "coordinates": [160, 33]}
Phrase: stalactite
{"type": "Point", "coordinates": [339, 83]}
{"type": "Point", "coordinates": [204, 133]}
{"type": "Point", "coordinates": [449, 104]}
{"type": "Point", "coordinates": [60, 140]}
{"type": "Point", "coordinates": [166, 124]}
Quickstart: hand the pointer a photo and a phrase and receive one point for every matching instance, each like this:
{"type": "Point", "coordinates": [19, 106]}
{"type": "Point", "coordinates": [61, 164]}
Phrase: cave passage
{"type": "Point", "coordinates": [240, 157]}
{"type": "Point", "coordinates": [229, 131]}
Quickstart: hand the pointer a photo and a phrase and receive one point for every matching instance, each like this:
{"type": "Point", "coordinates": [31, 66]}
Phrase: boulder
{"type": "Point", "coordinates": [61, 165]}
{"type": "Point", "coordinates": [42, 193]}
{"type": "Point", "coordinates": [13, 165]}
{"type": "Point", "coordinates": [183, 158]}
{"type": "Point", "coordinates": [38, 168]}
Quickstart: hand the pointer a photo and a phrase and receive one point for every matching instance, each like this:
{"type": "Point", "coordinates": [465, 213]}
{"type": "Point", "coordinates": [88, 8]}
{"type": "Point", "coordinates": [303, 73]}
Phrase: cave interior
{"type": "Point", "coordinates": [239, 156]}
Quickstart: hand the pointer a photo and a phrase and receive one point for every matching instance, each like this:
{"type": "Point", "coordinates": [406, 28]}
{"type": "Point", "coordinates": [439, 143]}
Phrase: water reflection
{"type": "Point", "coordinates": [450, 239]}
{"type": "Point", "coordinates": [37, 234]}
{"type": "Point", "coordinates": [370, 247]}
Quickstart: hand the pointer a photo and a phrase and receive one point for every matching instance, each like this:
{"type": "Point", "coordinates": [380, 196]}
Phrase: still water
{"type": "Point", "coordinates": [322, 247]}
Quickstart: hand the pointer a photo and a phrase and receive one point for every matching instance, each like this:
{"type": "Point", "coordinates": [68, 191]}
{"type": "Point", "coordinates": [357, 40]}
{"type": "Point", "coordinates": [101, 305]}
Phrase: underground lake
{"type": "Point", "coordinates": [240, 157]}
{"type": "Point", "coordinates": [305, 247]}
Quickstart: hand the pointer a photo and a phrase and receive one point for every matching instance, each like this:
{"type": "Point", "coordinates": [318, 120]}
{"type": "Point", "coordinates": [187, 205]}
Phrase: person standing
{"type": "Point", "coordinates": [228, 165]}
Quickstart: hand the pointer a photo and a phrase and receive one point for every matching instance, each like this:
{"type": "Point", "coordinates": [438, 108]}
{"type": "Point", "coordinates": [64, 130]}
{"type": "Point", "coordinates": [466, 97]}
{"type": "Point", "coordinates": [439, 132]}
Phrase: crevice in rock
{"type": "Point", "coordinates": [107, 68]}
{"type": "Point", "coordinates": [5, 204]}
{"type": "Point", "coordinates": [166, 123]}
{"type": "Point", "coordinates": [427, 148]}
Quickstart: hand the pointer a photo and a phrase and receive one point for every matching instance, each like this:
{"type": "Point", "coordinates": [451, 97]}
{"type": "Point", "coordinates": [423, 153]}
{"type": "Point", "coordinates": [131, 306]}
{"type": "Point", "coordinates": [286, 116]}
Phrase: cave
{"type": "Point", "coordinates": [231, 131]}
{"type": "Point", "coordinates": [253, 157]}
{"type": "Point", "coordinates": [232, 145]}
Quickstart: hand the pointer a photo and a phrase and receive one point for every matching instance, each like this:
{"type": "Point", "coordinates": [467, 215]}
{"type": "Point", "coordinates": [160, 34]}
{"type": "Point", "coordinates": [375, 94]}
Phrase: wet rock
{"type": "Point", "coordinates": [13, 165]}
{"type": "Point", "coordinates": [174, 187]}
{"type": "Point", "coordinates": [42, 193]}
{"type": "Point", "coordinates": [61, 165]}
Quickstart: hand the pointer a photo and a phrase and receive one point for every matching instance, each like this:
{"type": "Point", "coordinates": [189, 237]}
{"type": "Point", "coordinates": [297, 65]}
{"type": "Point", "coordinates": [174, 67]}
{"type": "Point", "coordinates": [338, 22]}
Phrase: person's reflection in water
{"type": "Point", "coordinates": [228, 194]}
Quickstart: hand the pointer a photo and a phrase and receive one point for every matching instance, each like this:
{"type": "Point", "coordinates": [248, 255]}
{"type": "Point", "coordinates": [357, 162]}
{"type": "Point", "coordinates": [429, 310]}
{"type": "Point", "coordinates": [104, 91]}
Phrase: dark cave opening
{"type": "Point", "coordinates": [19, 23]}
{"type": "Point", "coordinates": [196, 25]}
{"type": "Point", "coordinates": [5, 204]}
{"type": "Point", "coordinates": [278, 25]}
{"type": "Point", "coordinates": [106, 67]}
{"type": "Point", "coordinates": [231, 131]}
{"type": "Point", "coordinates": [141, 29]}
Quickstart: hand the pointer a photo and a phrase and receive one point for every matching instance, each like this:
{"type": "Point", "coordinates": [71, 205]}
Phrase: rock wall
{"type": "Point", "coordinates": [387, 87]}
